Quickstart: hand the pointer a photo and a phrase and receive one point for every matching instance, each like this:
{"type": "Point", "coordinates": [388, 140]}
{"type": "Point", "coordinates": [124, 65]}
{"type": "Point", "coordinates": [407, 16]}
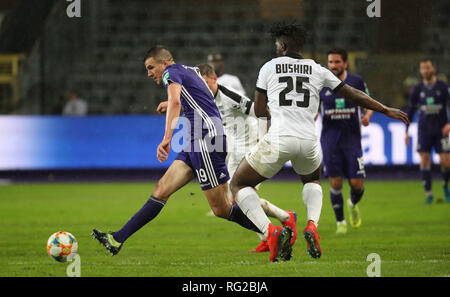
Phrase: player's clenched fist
{"type": "Point", "coordinates": [162, 107]}
{"type": "Point", "coordinates": [163, 150]}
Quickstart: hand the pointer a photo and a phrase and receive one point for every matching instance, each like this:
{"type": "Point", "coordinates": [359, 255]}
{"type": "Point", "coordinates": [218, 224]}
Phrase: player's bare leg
{"type": "Point", "coordinates": [176, 176]}
{"type": "Point", "coordinates": [312, 197]}
{"type": "Point", "coordinates": [242, 186]}
{"type": "Point", "coordinates": [218, 200]}
{"type": "Point", "coordinates": [445, 172]}
{"type": "Point", "coordinates": [425, 172]}
{"type": "Point", "coordinates": [211, 213]}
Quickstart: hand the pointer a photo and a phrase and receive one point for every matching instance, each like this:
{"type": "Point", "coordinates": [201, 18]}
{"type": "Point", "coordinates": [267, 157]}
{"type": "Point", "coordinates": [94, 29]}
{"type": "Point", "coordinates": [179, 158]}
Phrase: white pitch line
{"type": "Point", "coordinates": [318, 262]}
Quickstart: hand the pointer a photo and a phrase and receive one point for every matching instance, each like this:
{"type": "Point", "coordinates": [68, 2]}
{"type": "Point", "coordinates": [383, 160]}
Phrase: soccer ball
{"type": "Point", "coordinates": [62, 246]}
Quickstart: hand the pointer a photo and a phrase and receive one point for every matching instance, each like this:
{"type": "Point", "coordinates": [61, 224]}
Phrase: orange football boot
{"type": "Point", "coordinates": [312, 240]}
{"type": "Point", "coordinates": [292, 224]}
{"type": "Point", "coordinates": [261, 248]}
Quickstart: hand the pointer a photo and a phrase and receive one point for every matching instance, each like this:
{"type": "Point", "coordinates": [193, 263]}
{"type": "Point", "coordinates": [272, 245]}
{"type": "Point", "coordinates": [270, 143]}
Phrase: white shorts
{"type": "Point", "coordinates": [233, 161]}
{"type": "Point", "coordinates": [272, 152]}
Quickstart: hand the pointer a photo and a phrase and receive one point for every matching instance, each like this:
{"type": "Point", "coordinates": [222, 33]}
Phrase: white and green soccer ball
{"type": "Point", "coordinates": [62, 246]}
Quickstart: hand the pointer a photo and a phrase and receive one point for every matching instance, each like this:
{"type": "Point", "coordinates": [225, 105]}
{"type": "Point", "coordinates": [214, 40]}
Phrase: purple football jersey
{"type": "Point", "coordinates": [196, 99]}
{"type": "Point", "coordinates": [341, 119]}
{"type": "Point", "coordinates": [432, 102]}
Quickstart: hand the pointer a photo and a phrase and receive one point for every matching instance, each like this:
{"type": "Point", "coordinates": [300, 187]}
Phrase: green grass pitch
{"type": "Point", "coordinates": [411, 239]}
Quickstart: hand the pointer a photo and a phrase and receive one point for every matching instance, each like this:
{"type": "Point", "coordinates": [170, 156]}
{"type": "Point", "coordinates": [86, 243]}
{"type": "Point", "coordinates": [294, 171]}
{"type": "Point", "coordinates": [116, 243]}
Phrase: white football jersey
{"type": "Point", "coordinates": [231, 81]}
{"type": "Point", "coordinates": [292, 85]}
{"type": "Point", "coordinates": [239, 127]}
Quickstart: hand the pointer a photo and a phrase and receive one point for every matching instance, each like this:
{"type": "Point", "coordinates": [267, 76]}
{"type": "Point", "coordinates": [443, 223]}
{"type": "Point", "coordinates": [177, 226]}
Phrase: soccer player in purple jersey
{"type": "Point", "coordinates": [204, 155]}
{"type": "Point", "coordinates": [431, 97]}
{"type": "Point", "coordinates": [341, 141]}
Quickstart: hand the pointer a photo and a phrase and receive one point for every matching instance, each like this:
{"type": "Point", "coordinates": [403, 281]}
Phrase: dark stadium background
{"type": "Point", "coordinates": [44, 54]}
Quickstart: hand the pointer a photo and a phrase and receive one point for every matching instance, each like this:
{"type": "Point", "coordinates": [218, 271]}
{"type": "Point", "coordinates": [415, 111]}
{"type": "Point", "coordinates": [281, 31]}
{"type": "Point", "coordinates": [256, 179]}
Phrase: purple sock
{"type": "Point", "coordinates": [147, 213]}
{"type": "Point", "coordinates": [237, 216]}
{"type": "Point", "coordinates": [338, 204]}
{"type": "Point", "coordinates": [425, 174]}
{"type": "Point", "coordinates": [445, 172]}
{"type": "Point", "coordinates": [355, 197]}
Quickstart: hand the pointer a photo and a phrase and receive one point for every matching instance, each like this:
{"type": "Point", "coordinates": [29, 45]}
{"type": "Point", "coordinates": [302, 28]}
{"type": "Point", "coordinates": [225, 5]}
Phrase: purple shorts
{"type": "Point", "coordinates": [207, 157]}
{"type": "Point", "coordinates": [346, 162]}
{"type": "Point", "coordinates": [426, 142]}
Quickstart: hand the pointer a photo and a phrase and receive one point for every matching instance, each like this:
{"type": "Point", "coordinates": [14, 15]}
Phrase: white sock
{"type": "Point", "coordinates": [249, 202]}
{"type": "Point", "coordinates": [261, 236]}
{"type": "Point", "coordinates": [274, 211]}
{"type": "Point", "coordinates": [312, 197]}
{"type": "Point", "coordinates": [229, 194]}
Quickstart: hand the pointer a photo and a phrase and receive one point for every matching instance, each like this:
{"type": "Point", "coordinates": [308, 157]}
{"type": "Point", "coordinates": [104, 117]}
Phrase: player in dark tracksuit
{"type": "Point", "coordinates": [431, 98]}
{"type": "Point", "coordinates": [341, 141]}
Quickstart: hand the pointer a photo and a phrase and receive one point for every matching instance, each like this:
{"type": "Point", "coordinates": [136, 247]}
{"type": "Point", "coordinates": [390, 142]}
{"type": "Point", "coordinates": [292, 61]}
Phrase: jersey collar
{"type": "Point", "coordinates": [217, 92]}
{"type": "Point", "coordinates": [294, 55]}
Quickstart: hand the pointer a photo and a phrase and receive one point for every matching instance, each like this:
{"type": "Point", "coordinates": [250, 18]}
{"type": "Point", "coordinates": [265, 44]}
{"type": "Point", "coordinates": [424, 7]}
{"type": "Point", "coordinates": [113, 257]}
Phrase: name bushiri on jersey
{"type": "Point", "coordinates": [292, 85]}
{"type": "Point", "coordinates": [293, 68]}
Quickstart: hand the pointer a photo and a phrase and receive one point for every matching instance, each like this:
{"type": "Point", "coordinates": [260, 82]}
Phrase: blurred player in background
{"type": "Point", "coordinates": [289, 86]}
{"type": "Point", "coordinates": [204, 155]}
{"type": "Point", "coordinates": [236, 109]}
{"type": "Point", "coordinates": [225, 79]}
{"type": "Point", "coordinates": [431, 97]}
{"type": "Point", "coordinates": [341, 141]}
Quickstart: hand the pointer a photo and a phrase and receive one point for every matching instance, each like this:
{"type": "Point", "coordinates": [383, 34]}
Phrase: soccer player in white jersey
{"type": "Point", "coordinates": [233, 82]}
{"type": "Point", "coordinates": [236, 111]}
{"type": "Point", "coordinates": [289, 86]}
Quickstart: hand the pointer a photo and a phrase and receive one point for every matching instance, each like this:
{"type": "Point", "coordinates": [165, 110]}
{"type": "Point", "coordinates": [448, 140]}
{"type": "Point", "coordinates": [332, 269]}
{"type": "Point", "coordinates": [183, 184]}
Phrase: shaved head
{"type": "Point", "coordinates": [159, 53]}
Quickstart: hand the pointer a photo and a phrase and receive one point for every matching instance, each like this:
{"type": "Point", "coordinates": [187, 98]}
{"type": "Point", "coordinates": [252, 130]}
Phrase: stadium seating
{"type": "Point", "coordinates": [102, 51]}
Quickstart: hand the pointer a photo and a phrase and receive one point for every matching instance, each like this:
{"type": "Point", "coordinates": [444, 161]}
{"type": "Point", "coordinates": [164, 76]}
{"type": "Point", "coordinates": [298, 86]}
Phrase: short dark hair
{"type": "Point", "coordinates": [427, 59]}
{"type": "Point", "coordinates": [206, 69]}
{"type": "Point", "coordinates": [293, 35]}
{"type": "Point", "coordinates": [339, 51]}
{"type": "Point", "coordinates": [158, 52]}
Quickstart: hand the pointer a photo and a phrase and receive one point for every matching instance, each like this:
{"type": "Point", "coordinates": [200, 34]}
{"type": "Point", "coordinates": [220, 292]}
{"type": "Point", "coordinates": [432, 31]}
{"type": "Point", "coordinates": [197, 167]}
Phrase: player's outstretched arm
{"type": "Point", "coordinates": [362, 99]}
